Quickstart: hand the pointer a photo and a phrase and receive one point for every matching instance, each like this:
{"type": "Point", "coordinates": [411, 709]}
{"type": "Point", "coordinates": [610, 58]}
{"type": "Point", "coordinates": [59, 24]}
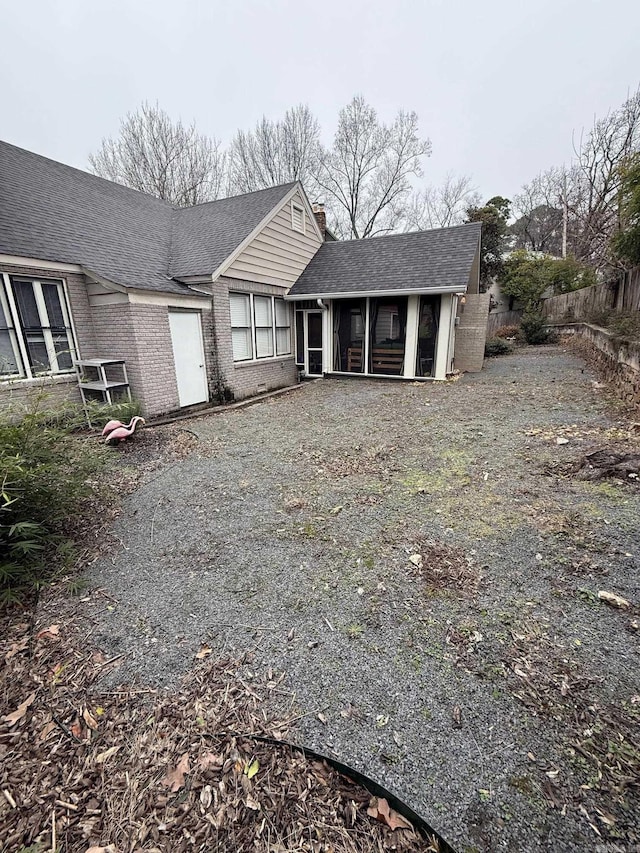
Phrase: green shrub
{"type": "Point", "coordinates": [497, 346]}
{"type": "Point", "coordinates": [625, 325]}
{"type": "Point", "coordinates": [533, 329]}
{"type": "Point", "coordinates": [600, 316]}
{"type": "Point", "coordinates": [507, 332]}
{"type": "Point", "coordinates": [43, 479]}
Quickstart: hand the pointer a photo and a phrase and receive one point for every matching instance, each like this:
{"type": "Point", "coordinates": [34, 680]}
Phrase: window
{"type": "Point", "coordinates": [283, 328]}
{"type": "Point", "coordinates": [260, 326]}
{"type": "Point", "coordinates": [297, 217]}
{"type": "Point", "coordinates": [241, 326]}
{"type": "Point", "coordinates": [35, 330]}
{"type": "Point", "coordinates": [263, 316]}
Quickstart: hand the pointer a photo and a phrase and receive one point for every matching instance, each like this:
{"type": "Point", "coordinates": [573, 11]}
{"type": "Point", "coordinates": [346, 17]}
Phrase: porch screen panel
{"type": "Point", "coordinates": [264, 326]}
{"type": "Point", "coordinates": [388, 324]}
{"type": "Point", "coordinates": [348, 335]}
{"type": "Point", "coordinates": [240, 306]}
{"type": "Point", "coordinates": [427, 335]}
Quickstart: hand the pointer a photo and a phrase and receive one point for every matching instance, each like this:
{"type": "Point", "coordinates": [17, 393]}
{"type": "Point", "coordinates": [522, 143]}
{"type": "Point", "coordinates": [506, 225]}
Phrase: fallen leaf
{"type": "Point", "coordinates": [322, 718]}
{"type": "Point", "coordinates": [89, 720]}
{"type": "Point", "coordinates": [613, 599]}
{"type": "Point", "coordinates": [20, 711]}
{"type": "Point", "coordinates": [336, 510]}
{"type": "Point", "coordinates": [379, 809]}
{"type": "Point", "coordinates": [251, 769]}
{"type": "Point", "coordinates": [108, 849]}
{"type": "Point", "coordinates": [16, 647]}
{"type": "Point", "coordinates": [174, 780]}
{"type": "Point", "coordinates": [51, 632]}
{"type": "Point", "coordinates": [416, 559]}
{"type": "Point", "coordinates": [291, 634]}
{"type": "Point", "coordinates": [382, 720]}
{"type": "Point", "coordinates": [103, 756]}
{"type": "Point", "coordinates": [456, 717]}
{"type": "Point", "coordinates": [561, 440]}
{"type": "Point", "coordinates": [210, 759]}
{"type": "Point", "coordinates": [76, 729]}
{"type": "Point", "coordinates": [253, 804]}
{"type": "Point", "coordinates": [206, 797]}
{"type": "Point", "coordinates": [204, 651]}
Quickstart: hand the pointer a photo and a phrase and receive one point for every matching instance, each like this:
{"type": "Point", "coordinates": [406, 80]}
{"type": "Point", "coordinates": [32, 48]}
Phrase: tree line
{"type": "Point", "coordinates": [367, 177]}
{"type": "Point", "coordinates": [586, 212]}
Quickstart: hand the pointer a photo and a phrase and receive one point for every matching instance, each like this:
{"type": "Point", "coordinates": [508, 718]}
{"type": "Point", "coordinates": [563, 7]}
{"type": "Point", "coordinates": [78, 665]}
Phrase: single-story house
{"type": "Point", "coordinates": [219, 301]}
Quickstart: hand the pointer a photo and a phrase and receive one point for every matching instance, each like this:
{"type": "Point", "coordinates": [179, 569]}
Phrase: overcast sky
{"type": "Point", "coordinates": [499, 85]}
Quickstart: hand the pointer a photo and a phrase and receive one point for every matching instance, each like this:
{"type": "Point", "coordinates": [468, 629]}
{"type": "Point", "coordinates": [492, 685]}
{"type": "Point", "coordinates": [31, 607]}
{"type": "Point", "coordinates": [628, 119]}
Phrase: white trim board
{"type": "Point", "coordinates": [34, 263]}
{"type": "Point", "coordinates": [355, 294]}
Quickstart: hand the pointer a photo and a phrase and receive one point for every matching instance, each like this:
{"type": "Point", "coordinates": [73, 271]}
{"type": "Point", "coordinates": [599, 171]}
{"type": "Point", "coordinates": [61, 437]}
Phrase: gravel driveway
{"type": "Point", "coordinates": [421, 563]}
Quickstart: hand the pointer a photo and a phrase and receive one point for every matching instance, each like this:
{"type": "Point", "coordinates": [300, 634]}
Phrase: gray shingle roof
{"type": "Point", "coordinates": [205, 235]}
{"type": "Point", "coordinates": [421, 260]}
{"type": "Point", "coordinates": [54, 212]}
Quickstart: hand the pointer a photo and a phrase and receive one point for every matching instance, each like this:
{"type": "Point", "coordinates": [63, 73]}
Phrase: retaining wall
{"type": "Point", "coordinates": [615, 361]}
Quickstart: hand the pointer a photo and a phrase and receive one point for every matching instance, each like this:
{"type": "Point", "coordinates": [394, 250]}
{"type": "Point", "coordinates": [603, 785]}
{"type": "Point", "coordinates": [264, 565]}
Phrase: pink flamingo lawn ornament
{"type": "Point", "coordinates": [117, 431]}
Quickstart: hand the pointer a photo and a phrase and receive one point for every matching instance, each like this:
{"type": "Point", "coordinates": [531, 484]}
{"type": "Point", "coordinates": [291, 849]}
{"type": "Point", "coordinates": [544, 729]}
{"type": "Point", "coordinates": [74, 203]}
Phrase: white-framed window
{"type": "Point", "coordinates": [35, 328]}
{"type": "Point", "coordinates": [241, 333]}
{"type": "Point", "coordinates": [297, 217]}
{"type": "Point", "coordinates": [260, 326]}
{"type": "Point", "coordinates": [283, 327]}
{"type": "Point", "coordinates": [263, 319]}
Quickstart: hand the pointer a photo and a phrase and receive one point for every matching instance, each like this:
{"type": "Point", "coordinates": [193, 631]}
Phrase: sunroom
{"type": "Point", "coordinates": [386, 306]}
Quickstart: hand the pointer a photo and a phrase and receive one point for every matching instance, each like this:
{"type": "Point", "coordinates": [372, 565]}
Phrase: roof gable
{"type": "Point", "coordinates": [206, 235]}
{"type": "Point", "coordinates": [53, 212]}
{"type": "Point", "coordinates": [421, 261]}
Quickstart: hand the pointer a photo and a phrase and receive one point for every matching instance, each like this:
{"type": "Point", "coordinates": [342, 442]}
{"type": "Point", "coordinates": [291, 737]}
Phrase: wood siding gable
{"type": "Point", "coordinates": [278, 254]}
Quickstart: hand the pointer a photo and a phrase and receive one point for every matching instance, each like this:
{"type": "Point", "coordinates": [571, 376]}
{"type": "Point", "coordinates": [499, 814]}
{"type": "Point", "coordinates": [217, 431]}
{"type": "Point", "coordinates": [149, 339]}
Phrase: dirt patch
{"type": "Point", "coordinates": [444, 567]}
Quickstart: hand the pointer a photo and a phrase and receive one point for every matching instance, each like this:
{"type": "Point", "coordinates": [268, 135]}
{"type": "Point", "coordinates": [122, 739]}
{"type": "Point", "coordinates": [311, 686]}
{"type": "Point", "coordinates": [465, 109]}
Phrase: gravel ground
{"type": "Point", "coordinates": [464, 682]}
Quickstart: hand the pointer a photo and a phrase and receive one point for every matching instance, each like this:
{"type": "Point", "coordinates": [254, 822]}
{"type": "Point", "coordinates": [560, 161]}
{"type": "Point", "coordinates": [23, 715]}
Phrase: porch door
{"type": "Point", "coordinates": [188, 355]}
{"type": "Point", "coordinates": [313, 343]}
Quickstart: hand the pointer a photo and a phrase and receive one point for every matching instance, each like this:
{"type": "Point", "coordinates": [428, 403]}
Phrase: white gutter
{"type": "Point", "coordinates": [357, 294]}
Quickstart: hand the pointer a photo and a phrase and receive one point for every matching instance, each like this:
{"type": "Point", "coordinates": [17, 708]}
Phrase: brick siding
{"type": "Point", "coordinates": [244, 379]}
{"type": "Point", "coordinates": [63, 386]}
{"type": "Point", "coordinates": [471, 333]}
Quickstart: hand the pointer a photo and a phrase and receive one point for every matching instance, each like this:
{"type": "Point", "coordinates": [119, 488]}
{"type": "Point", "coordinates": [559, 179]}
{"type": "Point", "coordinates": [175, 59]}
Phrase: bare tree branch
{"type": "Point", "coordinates": [156, 155]}
{"type": "Point", "coordinates": [365, 176]}
{"type": "Point", "coordinates": [276, 152]}
{"type": "Point", "coordinates": [442, 206]}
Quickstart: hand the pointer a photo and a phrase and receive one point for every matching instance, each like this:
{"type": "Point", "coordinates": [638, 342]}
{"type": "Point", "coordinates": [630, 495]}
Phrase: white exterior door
{"type": "Point", "coordinates": [188, 356]}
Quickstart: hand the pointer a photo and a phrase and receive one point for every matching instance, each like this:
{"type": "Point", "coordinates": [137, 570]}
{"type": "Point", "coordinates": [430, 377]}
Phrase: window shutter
{"type": "Point", "coordinates": [264, 342]}
{"type": "Point", "coordinates": [240, 310]}
{"type": "Point", "coordinates": [283, 341]}
{"type": "Point", "coordinates": [241, 344]}
{"type": "Point", "coordinates": [282, 313]}
{"type": "Point", "coordinates": [262, 309]}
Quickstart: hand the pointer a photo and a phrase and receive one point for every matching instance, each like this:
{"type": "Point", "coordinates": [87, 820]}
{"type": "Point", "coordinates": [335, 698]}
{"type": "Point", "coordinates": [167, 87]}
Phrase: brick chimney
{"type": "Point", "coordinates": [321, 217]}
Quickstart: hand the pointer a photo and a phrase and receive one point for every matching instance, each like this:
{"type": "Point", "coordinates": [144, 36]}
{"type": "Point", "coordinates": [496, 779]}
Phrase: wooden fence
{"type": "Point", "coordinates": [502, 318]}
{"type": "Point", "coordinates": [621, 295]}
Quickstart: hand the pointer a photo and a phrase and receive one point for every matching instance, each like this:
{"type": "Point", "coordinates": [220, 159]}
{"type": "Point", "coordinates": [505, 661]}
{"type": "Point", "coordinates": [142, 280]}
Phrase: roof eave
{"type": "Point", "coordinates": [359, 294]}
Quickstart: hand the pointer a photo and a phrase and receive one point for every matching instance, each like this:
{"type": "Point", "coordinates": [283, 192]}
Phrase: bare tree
{"type": "Point", "coordinates": [276, 152]}
{"type": "Point", "coordinates": [442, 206]}
{"type": "Point", "coordinates": [162, 157]}
{"type": "Point", "coordinates": [538, 209]}
{"type": "Point", "coordinates": [594, 180]}
{"type": "Point", "coordinates": [365, 176]}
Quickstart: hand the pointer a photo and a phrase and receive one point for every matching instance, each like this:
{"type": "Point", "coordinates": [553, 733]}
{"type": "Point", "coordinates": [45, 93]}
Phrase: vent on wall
{"type": "Point", "coordinates": [297, 217]}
